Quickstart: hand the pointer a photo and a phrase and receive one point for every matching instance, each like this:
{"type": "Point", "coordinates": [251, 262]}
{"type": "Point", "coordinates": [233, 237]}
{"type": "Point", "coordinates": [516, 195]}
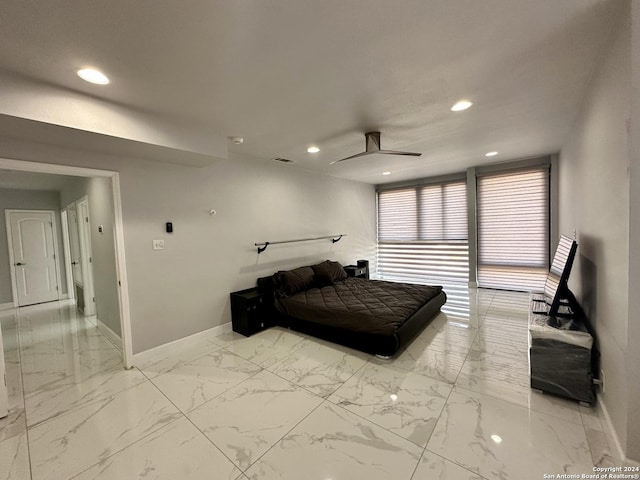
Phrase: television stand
{"type": "Point", "coordinates": [560, 355]}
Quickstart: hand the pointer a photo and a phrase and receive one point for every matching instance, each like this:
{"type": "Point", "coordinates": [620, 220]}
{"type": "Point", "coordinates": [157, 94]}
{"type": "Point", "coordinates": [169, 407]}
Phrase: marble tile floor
{"type": "Point", "coordinates": [280, 405]}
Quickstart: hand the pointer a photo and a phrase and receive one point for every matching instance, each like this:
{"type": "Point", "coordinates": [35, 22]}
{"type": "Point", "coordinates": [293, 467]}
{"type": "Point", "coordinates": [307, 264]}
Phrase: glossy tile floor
{"type": "Point", "coordinates": [280, 405]}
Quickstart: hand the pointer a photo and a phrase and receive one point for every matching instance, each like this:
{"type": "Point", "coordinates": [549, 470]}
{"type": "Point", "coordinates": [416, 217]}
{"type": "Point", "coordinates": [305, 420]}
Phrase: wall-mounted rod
{"type": "Point", "coordinates": [262, 246]}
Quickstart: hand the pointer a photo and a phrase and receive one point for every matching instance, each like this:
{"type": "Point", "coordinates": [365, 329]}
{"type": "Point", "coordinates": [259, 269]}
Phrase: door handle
{"type": "Point", "coordinates": [74, 263]}
{"type": "Point", "coordinates": [20, 264]}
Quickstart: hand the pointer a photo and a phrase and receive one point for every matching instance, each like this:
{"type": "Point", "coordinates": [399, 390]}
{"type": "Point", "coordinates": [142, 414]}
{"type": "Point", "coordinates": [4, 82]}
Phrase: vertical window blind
{"type": "Point", "coordinates": [422, 233]}
{"type": "Point", "coordinates": [513, 229]}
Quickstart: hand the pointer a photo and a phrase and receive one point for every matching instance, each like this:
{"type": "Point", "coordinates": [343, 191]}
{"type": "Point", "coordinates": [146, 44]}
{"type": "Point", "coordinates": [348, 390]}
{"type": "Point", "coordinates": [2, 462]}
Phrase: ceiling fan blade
{"type": "Point", "coordinates": [378, 152]}
{"type": "Point", "coordinates": [362, 154]}
{"type": "Point", "coordinates": [373, 147]}
{"type": "Point", "coordinates": [395, 152]}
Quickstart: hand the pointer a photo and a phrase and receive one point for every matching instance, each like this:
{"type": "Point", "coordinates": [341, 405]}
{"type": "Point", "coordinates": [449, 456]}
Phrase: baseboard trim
{"type": "Point", "coordinates": [611, 433]}
{"type": "Point", "coordinates": [112, 336]}
{"type": "Point", "coordinates": [7, 306]}
{"type": "Point", "coordinates": [140, 358]}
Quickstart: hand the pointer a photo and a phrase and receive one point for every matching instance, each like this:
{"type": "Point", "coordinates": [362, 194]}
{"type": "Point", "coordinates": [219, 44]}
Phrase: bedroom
{"type": "Point", "coordinates": [209, 256]}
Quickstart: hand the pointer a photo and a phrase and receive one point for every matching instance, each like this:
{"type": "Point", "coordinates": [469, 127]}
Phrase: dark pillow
{"type": "Point", "coordinates": [290, 282]}
{"type": "Point", "coordinates": [338, 272]}
{"type": "Point", "coordinates": [322, 277]}
{"type": "Point", "coordinates": [327, 273]}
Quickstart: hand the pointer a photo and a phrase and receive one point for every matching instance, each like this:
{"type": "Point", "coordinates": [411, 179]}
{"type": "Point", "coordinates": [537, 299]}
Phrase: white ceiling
{"type": "Point", "coordinates": [285, 74]}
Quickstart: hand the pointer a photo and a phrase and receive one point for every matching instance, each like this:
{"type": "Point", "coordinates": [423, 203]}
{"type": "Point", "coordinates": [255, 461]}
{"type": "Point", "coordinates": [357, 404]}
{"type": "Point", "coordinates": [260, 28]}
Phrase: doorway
{"type": "Point", "coordinates": [34, 267]}
{"type": "Point", "coordinates": [118, 235]}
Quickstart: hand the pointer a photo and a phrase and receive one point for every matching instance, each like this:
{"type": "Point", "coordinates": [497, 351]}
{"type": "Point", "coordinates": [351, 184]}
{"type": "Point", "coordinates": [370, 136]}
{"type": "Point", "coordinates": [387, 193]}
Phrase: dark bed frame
{"type": "Point", "coordinates": [376, 344]}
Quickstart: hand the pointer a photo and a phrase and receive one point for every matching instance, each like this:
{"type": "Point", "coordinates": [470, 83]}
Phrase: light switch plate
{"type": "Point", "coordinates": [158, 244]}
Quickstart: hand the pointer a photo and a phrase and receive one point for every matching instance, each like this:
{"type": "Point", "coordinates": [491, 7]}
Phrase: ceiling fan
{"type": "Point", "coordinates": [373, 147]}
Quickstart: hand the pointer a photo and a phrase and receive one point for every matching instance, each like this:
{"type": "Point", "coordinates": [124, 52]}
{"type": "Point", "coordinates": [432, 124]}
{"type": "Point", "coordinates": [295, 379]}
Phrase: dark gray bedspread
{"type": "Point", "coordinates": [359, 305]}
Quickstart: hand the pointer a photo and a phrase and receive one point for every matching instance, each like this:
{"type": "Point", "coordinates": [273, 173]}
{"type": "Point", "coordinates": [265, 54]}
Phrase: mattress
{"type": "Point", "coordinates": [359, 305]}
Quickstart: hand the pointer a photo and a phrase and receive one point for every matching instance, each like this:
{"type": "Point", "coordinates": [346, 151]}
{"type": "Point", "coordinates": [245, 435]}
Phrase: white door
{"type": "Point", "coordinates": [86, 255]}
{"type": "Point", "coordinates": [66, 250]}
{"type": "Point", "coordinates": [32, 245]}
{"type": "Point", "coordinates": [74, 244]}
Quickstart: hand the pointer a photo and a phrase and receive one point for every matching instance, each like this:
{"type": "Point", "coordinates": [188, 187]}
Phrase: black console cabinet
{"type": "Point", "coordinates": [250, 311]}
{"type": "Point", "coordinates": [560, 357]}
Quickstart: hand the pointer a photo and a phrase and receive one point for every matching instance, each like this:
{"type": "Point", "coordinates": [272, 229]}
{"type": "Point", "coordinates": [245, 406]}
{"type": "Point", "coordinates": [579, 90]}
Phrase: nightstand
{"type": "Point", "coordinates": [250, 311]}
{"type": "Point", "coordinates": [356, 271]}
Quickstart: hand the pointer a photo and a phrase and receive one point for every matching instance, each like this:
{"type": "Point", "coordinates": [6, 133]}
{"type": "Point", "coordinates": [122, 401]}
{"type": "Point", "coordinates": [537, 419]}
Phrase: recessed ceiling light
{"type": "Point", "coordinates": [461, 105]}
{"type": "Point", "coordinates": [386, 173]}
{"type": "Point", "coordinates": [92, 75]}
{"type": "Point", "coordinates": [490, 154]}
{"type": "Point", "coordinates": [313, 149]}
{"type": "Point", "coordinates": [496, 438]}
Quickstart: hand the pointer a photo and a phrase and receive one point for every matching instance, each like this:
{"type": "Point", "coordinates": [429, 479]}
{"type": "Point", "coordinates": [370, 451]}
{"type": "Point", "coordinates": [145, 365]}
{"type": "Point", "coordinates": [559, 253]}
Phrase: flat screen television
{"type": "Point", "coordinates": [555, 286]}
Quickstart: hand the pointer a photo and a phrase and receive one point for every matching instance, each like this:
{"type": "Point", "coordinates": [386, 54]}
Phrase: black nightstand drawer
{"type": "Point", "coordinates": [355, 271]}
{"type": "Point", "coordinates": [250, 311]}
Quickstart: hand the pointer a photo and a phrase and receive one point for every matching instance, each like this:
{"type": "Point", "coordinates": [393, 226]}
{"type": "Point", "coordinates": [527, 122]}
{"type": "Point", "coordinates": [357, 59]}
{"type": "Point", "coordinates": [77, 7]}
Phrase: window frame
{"type": "Point", "coordinates": [421, 245]}
{"type": "Point", "coordinates": [470, 175]}
{"type": "Point", "coordinates": [518, 271]}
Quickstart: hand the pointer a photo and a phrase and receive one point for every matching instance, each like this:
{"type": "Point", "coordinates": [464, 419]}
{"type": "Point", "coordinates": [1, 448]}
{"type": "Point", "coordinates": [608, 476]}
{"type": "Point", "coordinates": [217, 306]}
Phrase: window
{"type": "Point", "coordinates": [422, 233]}
{"type": "Point", "coordinates": [423, 237]}
{"type": "Point", "coordinates": [513, 229]}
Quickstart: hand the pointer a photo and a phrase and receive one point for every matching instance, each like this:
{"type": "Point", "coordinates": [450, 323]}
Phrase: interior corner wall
{"type": "Point", "coordinates": [633, 352]}
{"type": "Point", "coordinates": [594, 200]}
{"type": "Point", "coordinates": [184, 289]}
{"type": "Point", "coordinates": [105, 278]}
{"type": "Point", "coordinates": [26, 200]}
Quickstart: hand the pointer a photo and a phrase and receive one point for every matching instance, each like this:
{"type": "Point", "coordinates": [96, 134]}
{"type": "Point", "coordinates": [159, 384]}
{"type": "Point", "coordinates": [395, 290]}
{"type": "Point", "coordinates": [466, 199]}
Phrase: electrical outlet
{"type": "Point", "coordinates": [602, 384]}
{"type": "Point", "coordinates": [158, 244]}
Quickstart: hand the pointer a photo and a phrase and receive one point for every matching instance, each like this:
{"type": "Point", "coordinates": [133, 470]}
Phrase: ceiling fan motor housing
{"type": "Point", "coordinates": [373, 141]}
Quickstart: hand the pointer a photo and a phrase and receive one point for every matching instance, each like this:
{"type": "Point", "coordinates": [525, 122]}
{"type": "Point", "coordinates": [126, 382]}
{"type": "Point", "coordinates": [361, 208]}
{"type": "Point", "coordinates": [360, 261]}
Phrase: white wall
{"type": "Point", "coordinates": [207, 257]}
{"type": "Point", "coordinates": [26, 200]}
{"type": "Point", "coordinates": [98, 191]}
{"type": "Point", "coordinates": [185, 288]}
{"type": "Point", "coordinates": [594, 200]}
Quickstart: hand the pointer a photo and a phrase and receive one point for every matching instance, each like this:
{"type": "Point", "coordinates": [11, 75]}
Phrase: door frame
{"type": "Point", "coordinates": [12, 268]}
{"type": "Point", "coordinates": [118, 228]}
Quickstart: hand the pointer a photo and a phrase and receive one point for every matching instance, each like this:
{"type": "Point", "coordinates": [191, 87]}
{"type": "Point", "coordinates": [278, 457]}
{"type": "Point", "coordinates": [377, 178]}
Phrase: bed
{"type": "Point", "coordinates": [373, 316]}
